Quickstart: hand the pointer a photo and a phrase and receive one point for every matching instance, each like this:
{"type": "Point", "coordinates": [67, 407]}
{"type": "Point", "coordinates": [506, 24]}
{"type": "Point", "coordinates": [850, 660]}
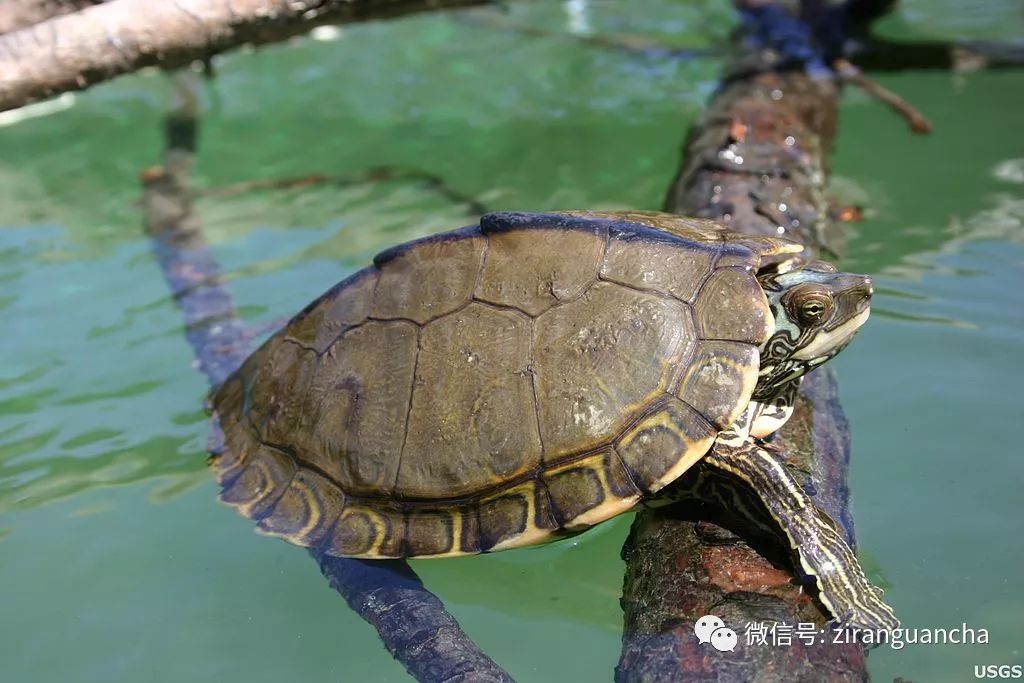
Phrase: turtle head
{"type": "Point", "coordinates": [817, 312]}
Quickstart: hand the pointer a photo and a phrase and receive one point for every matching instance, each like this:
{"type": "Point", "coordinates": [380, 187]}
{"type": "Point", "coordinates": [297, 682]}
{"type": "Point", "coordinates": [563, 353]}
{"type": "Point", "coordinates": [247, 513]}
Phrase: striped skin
{"type": "Point", "coordinates": [772, 413]}
{"type": "Point", "coordinates": [817, 311]}
{"type": "Point", "coordinates": [819, 544]}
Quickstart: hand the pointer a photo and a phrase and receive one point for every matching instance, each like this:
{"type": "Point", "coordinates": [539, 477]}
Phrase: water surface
{"type": "Point", "coordinates": [118, 564]}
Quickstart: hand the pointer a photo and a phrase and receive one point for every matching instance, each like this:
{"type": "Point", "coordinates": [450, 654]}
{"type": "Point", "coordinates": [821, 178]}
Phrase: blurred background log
{"type": "Point", "coordinates": [17, 14]}
{"type": "Point", "coordinates": [74, 51]}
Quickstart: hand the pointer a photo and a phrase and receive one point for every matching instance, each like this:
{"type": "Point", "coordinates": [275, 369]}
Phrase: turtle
{"type": "Point", "coordinates": [525, 378]}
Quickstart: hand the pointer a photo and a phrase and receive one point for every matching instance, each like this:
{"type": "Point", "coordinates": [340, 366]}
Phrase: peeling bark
{"type": "Point", "coordinates": [96, 44]}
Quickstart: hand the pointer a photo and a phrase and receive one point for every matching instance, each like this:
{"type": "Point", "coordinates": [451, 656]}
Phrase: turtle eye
{"type": "Point", "coordinates": [812, 311]}
{"type": "Point", "coordinates": [810, 304]}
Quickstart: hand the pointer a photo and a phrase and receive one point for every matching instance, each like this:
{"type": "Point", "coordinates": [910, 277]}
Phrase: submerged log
{"type": "Point", "coordinates": [757, 160]}
{"type": "Point", "coordinates": [412, 622]}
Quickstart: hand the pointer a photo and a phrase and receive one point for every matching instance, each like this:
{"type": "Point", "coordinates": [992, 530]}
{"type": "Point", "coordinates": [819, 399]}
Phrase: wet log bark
{"type": "Point", "coordinates": [756, 159]}
{"type": "Point", "coordinates": [412, 623]}
{"type": "Point", "coordinates": [75, 51]}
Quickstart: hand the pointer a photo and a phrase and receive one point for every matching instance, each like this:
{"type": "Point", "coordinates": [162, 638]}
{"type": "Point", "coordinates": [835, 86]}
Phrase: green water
{"type": "Point", "coordinates": [117, 564]}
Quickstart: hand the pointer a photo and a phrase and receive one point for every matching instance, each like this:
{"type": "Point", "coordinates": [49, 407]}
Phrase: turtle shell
{"type": "Point", "coordinates": [497, 385]}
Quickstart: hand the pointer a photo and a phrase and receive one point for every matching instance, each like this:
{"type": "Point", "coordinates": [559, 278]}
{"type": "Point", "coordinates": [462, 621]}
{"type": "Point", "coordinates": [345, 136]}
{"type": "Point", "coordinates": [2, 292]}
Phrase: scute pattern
{"type": "Point", "coordinates": [358, 398]}
{"type": "Point", "coordinates": [718, 381]}
{"type": "Point", "coordinates": [307, 509]}
{"type": "Point", "coordinates": [520, 515]}
{"type": "Point", "coordinates": [432, 533]}
{"type": "Point", "coordinates": [663, 445]}
{"type": "Point", "coordinates": [360, 532]}
{"type": "Point", "coordinates": [539, 283]}
{"type": "Point", "coordinates": [428, 280]}
{"type": "Point", "coordinates": [345, 305]}
{"type": "Point", "coordinates": [732, 306]}
{"type": "Point", "coordinates": [590, 490]}
{"type": "Point", "coordinates": [693, 230]}
{"type": "Point", "coordinates": [478, 360]}
{"type": "Point", "coordinates": [600, 358]}
{"type": "Point", "coordinates": [652, 266]}
{"type": "Point", "coordinates": [504, 517]}
{"type": "Point", "coordinates": [281, 384]}
{"type": "Point", "coordinates": [479, 390]}
{"type": "Point", "coordinates": [258, 485]}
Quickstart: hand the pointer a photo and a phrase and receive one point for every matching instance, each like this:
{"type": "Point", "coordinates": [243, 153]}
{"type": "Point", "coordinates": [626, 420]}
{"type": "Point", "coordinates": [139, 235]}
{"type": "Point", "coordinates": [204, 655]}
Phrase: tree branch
{"type": "Point", "coordinates": [75, 51]}
{"type": "Point", "coordinates": [18, 14]}
{"type": "Point", "coordinates": [756, 159]}
{"type": "Point", "coordinates": [879, 54]}
{"type": "Point", "coordinates": [412, 622]}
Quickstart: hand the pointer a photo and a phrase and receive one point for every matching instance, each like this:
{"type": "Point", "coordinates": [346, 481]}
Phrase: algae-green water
{"type": "Point", "coordinates": [117, 563]}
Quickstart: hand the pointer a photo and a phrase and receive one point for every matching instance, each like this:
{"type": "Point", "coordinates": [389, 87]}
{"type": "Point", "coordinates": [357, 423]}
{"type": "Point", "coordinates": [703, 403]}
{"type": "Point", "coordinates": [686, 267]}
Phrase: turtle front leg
{"type": "Point", "coordinates": [819, 544]}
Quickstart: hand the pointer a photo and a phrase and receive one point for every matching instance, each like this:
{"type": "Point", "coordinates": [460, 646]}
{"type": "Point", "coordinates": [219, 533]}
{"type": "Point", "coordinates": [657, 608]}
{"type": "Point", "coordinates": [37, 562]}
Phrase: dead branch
{"type": "Point", "coordinates": [75, 51]}
{"type": "Point", "coordinates": [914, 118]}
{"type": "Point", "coordinates": [17, 14]}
